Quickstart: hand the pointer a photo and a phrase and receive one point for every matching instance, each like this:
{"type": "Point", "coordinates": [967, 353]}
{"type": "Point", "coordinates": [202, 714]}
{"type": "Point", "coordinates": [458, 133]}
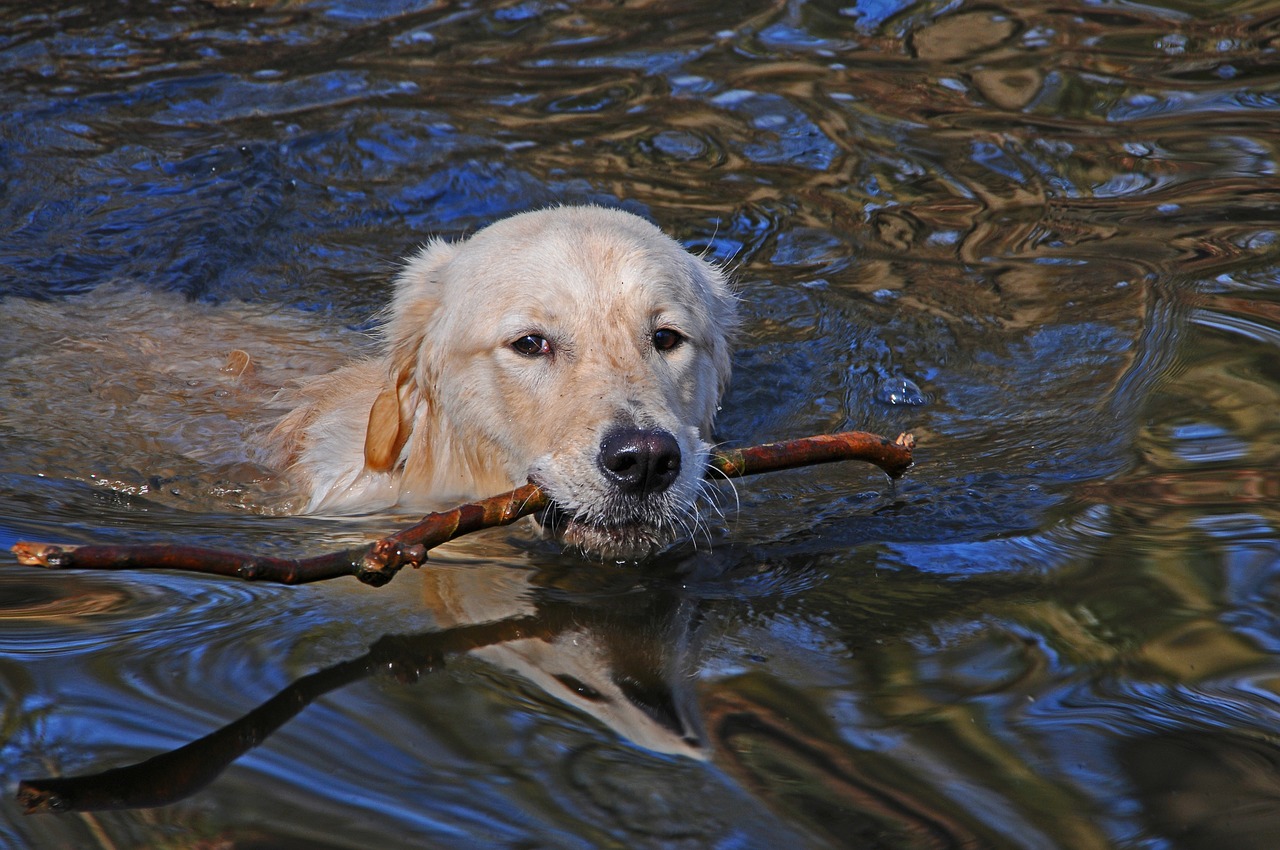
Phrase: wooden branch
{"type": "Point", "coordinates": [377, 563]}
{"type": "Point", "coordinates": [893, 456]}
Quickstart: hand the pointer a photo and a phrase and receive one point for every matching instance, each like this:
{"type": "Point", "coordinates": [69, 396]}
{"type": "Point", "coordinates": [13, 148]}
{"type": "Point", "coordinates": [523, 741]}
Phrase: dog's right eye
{"type": "Point", "coordinates": [665, 339]}
{"type": "Point", "coordinates": [532, 345]}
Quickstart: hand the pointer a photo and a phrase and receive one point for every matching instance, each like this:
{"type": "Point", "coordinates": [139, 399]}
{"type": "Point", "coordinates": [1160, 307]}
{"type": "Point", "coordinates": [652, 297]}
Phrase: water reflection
{"type": "Point", "coordinates": [619, 658]}
{"type": "Point", "coordinates": [624, 656]}
{"type": "Point", "coordinates": [1208, 791]}
{"type": "Point", "coordinates": [1055, 221]}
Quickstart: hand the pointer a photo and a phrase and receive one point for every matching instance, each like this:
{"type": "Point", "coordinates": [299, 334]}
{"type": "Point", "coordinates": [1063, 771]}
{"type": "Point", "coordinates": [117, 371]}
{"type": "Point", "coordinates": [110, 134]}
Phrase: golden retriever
{"type": "Point", "coordinates": [579, 347]}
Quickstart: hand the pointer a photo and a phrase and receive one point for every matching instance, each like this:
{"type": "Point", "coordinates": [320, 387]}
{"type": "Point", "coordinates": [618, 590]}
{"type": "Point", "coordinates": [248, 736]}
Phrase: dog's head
{"type": "Point", "coordinates": [580, 347]}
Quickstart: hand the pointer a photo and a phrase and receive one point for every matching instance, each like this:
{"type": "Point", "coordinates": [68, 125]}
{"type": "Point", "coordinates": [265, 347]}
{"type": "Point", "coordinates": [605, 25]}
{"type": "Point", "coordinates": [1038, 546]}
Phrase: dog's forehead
{"type": "Point", "coordinates": [618, 274]}
{"type": "Point", "coordinates": [610, 264]}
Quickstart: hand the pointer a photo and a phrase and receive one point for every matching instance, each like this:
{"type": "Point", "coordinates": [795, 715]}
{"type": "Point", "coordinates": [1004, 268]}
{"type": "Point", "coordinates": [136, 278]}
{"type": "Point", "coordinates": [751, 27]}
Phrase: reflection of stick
{"type": "Point", "coordinates": [377, 563]}
{"type": "Point", "coordinates": [171, 776]}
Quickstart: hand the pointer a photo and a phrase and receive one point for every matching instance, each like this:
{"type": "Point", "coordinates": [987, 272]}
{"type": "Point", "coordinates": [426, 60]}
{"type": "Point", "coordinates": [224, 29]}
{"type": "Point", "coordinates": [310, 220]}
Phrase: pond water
{"type": "Point", "coordinates": [1043, 237]}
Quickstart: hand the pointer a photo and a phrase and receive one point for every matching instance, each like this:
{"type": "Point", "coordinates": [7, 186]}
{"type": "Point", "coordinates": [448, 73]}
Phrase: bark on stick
{"type": "Point", "coordinates": [377, 563]}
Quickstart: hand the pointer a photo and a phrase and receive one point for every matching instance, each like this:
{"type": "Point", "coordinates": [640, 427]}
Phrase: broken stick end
{"type": "Point", "coordinates": [32, 554]}
{"type": "Point", "coordinates": [34, 799]}
{"type": "Point", "coordinates": [906, 442]}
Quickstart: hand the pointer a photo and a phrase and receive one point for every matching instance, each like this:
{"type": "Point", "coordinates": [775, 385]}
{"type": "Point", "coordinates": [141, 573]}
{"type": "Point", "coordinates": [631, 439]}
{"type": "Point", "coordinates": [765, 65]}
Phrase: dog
{"type": "Point", "coordinates": [577, 347]}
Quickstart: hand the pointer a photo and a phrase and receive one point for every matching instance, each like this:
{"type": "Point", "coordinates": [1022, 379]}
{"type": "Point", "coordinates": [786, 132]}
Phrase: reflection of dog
{"type": "Point", "coordinates": [622, 658]}
{"type": "Point", "coordinates": [576, 346]}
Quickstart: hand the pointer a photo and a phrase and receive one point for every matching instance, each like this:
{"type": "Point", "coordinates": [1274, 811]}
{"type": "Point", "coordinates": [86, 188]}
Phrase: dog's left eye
{"type": "Point", "coordinates": [665, 339]}
{"type": "Point", "coordinates": [532, 345]}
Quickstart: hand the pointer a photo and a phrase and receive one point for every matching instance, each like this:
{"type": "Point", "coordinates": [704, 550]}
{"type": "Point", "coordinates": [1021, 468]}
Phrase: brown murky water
{"type": "Point", "coordinates": [1042, 236]}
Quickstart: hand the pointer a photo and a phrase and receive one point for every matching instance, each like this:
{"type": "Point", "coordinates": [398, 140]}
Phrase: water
{"type": "Point", "coordinates": [1041, 237]}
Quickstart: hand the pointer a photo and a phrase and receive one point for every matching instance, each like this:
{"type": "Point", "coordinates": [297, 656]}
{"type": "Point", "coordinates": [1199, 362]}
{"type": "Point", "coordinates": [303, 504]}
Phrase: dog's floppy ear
{"type": "Point", "coordinates": [405, 336]}
{"type": "Point", "coordinates": [390, 422]}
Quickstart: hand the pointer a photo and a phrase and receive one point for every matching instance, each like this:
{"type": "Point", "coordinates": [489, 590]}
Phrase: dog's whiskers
{"type": "Point", "coordinates": [687, 519]}
{"type": "Point", "coordinates": [733, 488]}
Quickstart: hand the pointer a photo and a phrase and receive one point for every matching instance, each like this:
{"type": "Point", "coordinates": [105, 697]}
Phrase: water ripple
{"type": "Point", "coordinates": [79, 613]}
{"type": "Point", "coordinates": [1054, 225]}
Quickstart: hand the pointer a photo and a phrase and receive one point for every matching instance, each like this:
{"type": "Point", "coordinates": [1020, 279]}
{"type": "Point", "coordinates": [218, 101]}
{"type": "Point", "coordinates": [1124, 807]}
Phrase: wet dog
{"type": "Point", "coordinates": [579, 347]}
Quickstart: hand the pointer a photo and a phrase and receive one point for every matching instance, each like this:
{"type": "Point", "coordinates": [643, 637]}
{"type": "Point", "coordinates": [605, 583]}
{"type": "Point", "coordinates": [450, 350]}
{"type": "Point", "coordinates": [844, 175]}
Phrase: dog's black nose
{"type": "Point", "coordinates": [639, 461]}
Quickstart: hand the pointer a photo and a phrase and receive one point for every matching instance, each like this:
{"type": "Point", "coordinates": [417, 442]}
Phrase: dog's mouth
{"type": "Point", "coordinates": [629, 540]}
{"type": "Point", "coordinates": [640, 499]}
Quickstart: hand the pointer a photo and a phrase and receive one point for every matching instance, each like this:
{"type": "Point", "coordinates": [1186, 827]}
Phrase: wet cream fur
{"type": "Point", "coordinates": [448, 410]}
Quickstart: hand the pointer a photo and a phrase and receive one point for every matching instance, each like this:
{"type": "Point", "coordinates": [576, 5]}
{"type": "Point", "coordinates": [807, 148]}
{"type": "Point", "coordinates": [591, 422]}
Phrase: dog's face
{"type": "Point", "coordinates": [579, 347]}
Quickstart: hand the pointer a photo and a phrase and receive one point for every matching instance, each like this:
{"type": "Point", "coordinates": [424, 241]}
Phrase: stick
{"type": "Point", "coordinates": [893, 456]}
{"type": "Point", "coordinates": [377, 563]}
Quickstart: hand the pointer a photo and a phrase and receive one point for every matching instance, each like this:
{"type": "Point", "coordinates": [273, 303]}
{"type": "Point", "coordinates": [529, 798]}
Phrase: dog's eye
{"type": "Point", "coordinates": [665, 339]}
{"type": "Point", "coordinates": [532, 345]}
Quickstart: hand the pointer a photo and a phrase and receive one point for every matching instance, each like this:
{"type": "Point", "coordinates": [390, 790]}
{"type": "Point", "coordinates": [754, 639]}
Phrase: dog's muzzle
{"type": "Point", "coordinates": [632, 507]}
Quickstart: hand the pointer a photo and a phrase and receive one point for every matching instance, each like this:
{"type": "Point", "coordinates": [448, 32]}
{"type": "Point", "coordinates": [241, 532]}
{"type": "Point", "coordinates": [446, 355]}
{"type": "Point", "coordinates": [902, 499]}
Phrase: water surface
{"type": "Point", "coordinates": [1042, 237]}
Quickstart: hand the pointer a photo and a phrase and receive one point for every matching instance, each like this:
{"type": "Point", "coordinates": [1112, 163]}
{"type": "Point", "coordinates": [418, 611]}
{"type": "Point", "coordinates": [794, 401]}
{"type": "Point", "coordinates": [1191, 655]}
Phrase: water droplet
{"type": "Point", "coordinates": [901, 391]}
